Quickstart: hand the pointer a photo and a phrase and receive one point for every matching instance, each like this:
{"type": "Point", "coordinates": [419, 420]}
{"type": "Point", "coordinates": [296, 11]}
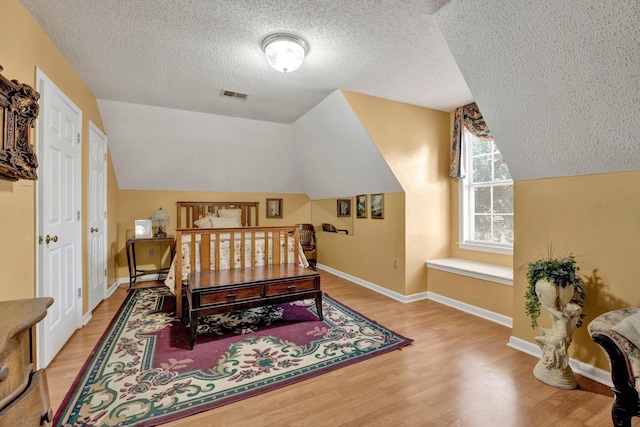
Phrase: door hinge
{"type": "Point", "coordinates": [105, 272]}
{"type": "Point", "coordinates": [78, 138]}
{"type": "Point", "coordinates": [79, 292]}
{"type": "Point", "coordinates": [78, 215]}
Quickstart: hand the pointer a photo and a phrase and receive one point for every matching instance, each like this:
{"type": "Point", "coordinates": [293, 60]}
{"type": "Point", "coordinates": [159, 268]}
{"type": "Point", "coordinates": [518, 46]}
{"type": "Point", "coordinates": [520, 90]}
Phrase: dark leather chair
{"type": "Point", "coordinates": [330, 228]}
{"type": "Point", "coordinates": [308, 242]}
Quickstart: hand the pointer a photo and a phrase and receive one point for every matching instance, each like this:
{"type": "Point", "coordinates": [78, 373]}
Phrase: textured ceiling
{"type": "Point", "coordinates": [557, 81]}
{"type": "Point", "coordinates": [182, 54]}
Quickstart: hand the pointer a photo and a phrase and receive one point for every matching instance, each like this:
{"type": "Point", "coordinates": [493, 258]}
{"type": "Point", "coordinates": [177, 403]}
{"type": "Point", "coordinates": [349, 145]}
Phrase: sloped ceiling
{"type": "Point", "coordinates": [156, 148]}
{"type": "Point", "coordinates": [324, 154]}
{"type": "Point", "coordinates": [336, 156]}
{"type": "Point", "coordinates": [557, 81]}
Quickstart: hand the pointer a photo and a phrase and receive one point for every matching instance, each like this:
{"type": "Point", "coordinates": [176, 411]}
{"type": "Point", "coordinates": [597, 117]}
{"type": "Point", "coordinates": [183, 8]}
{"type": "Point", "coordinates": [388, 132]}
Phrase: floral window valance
{"type": "Point", "coordinates": [468, 115]}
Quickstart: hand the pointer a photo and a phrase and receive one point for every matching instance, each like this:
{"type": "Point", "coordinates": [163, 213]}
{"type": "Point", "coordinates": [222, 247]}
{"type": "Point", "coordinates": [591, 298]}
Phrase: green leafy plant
{"type": "Point", "coordinates": [560, 271]}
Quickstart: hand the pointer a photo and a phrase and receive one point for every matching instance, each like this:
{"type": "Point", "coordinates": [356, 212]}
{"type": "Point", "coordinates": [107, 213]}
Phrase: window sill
{"type": "Point", "coordinates": [486, 248]}
{"type": "Point", "coordinates": [477, 270]}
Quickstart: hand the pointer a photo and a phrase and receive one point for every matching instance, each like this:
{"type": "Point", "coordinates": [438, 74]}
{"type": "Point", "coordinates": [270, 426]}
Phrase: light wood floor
{"type": "Point", "coordinates": [458, 372]}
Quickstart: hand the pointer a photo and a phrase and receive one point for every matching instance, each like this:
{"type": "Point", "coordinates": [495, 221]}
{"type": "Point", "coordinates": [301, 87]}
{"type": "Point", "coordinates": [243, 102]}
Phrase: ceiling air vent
{"type": "Point", "coordinates": [233, 94]}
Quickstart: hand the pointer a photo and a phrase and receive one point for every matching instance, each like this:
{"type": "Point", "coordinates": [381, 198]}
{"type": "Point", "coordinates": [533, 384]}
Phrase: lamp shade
{"type": "Point", "coordinates": [284, 52]}
{"type": "Point", "coordinates": [160, 218]}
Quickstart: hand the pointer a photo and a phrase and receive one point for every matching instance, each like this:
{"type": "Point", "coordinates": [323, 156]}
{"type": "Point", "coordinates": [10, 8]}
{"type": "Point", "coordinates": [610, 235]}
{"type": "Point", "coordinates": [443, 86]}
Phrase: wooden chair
{"type": "Point", "coordinates": [308, 242]}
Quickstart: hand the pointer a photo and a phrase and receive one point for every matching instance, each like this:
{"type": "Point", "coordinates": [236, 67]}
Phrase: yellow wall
{"type": "Point", "coordinates": [140, 204]}
{"type": "Point", "coordinates": [495, 297]}
{"type": "Point", "coordinates": [23, 47]}
{"type": "Point", "coordinates": [595, 217]}
{"type": "Point", "coordinates": [414, 142]}
{"type": "Point", "coordinates": [369, 251]}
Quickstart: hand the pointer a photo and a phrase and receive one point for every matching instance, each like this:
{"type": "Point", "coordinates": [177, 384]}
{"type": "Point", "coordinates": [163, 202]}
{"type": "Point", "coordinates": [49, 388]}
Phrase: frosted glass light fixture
{"type": "Point", "coordinates": [284, 52]}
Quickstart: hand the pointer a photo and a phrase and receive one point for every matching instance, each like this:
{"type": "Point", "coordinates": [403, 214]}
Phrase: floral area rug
{"type": "Point", "coordinates": [142, 372]}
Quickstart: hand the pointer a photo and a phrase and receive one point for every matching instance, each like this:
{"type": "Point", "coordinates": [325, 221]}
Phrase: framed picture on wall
{"type": "Point", "coordinates": [361, 206]}
{"type": "Point", "coordinates": [377, 206]}
{"type": "Point", "coordinates": [274, 208]}
{"type": "Point", "coordinates": [344, 207]}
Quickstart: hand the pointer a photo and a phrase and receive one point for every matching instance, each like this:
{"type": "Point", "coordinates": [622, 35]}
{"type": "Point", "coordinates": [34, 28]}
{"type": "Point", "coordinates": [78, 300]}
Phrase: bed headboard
{"type": "Point", "coordinates": [188, 212]}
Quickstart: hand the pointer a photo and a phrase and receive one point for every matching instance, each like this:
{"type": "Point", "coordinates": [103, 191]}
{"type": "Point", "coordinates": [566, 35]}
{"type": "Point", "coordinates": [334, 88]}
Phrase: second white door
{"type": "Point", "coordinates": [97, 216]}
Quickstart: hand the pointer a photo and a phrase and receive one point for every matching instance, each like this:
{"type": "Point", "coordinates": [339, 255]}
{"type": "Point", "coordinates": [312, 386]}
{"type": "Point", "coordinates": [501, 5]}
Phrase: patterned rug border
{"type": "Point", "coordinates": [264, 386]}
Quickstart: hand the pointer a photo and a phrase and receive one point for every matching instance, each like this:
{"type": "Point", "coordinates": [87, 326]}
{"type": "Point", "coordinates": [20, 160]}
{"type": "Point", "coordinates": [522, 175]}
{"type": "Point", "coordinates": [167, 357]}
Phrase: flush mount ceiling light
{"type": "Point", "coordinates": [284, 52]}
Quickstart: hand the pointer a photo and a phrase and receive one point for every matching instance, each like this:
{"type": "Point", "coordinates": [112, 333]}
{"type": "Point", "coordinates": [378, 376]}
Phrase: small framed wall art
{"type": "Point", "coordinates": [344, 207]}
{"type": "Point", "coordinates": [143, 228]}
{"type": "Point", "coordinates": [361, 206]}
{"type": "Point", "coordinates": [377, 206]}
{"type": "Point", "coordinates": [274, 208]}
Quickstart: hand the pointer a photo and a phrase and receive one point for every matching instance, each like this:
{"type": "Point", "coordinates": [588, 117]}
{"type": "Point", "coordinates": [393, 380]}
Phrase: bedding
{"type": "Point", "coordinates": [205, 222]}
{"type": "Point", "coordinates": [188, 213]}
{"type": "Point", "coordinates": [231, 255]}
{"type": "Point", "coordinates": [226, 222]}
{"type": "Point", "coordinates": [230, 213]}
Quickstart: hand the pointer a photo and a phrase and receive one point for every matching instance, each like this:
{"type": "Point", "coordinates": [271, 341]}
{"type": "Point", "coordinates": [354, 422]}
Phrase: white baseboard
{"type": "Point", "coordinates": [86, 318]}
{"type": "Point", "coordinates": [472, 309]}
{"type": "Point", "coordinates": [476, 311]}
{"type": "Point", "coordinates": [379, 289]}
{"type": "Point", "coordinates": [581, 368]}
{"type": "Point", "coordinates": [125, 280]}
{"type": "Point", "coordinates": [578, 367]}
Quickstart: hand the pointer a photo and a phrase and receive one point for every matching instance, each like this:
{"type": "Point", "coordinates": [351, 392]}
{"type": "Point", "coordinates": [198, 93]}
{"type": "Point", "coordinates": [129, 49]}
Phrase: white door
{"type": "Point", "coordinates": [59, 262]}
{"type": "Point", "coordinates": [97, 198]}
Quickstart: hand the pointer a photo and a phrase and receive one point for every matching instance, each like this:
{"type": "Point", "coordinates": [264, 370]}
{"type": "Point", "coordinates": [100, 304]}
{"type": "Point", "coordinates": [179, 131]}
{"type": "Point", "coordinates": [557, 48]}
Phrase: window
{"type": "Point", "coordinates": [486, 198]}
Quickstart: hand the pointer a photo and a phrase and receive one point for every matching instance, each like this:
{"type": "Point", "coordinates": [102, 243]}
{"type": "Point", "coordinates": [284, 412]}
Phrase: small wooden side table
{"type": "Point", "coordinates": [134, 271]}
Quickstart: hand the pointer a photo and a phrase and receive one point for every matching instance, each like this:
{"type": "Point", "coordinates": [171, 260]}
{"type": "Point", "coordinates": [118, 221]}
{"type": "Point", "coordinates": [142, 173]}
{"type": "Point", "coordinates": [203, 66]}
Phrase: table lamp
{"type": "Point", "coordinates": [160, 219]}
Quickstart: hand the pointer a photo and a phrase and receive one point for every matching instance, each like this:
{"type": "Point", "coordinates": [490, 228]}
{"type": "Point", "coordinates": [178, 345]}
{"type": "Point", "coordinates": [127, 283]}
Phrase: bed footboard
{"type": "Point", "coordinates": [201, 249]}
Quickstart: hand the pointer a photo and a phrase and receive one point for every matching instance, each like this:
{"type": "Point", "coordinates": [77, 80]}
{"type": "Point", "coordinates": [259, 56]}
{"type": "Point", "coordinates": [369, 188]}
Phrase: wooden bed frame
{"type": "Point", "coordinates": [189, 212]}
{"type": "Point", "coordinates": [245, 286]}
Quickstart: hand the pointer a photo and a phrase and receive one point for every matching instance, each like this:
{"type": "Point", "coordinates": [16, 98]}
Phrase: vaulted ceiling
{"type": "Point", "coordinates": [557, 81]}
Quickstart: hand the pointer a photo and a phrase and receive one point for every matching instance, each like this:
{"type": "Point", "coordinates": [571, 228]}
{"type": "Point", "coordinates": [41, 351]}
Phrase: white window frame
{"type": "Point", "coordinates": [464, 211]}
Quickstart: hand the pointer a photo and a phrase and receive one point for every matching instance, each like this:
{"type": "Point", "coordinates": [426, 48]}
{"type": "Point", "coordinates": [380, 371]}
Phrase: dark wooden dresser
{"type": "Point", "coordinates": [24, 396]}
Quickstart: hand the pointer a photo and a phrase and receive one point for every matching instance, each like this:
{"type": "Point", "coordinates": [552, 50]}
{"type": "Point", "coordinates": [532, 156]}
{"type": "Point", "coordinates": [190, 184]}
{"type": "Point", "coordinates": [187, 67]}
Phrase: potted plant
{"type": "Point", "coordinates": [553, 284]}
{"type": "Point", "coordinates": [560, 271]}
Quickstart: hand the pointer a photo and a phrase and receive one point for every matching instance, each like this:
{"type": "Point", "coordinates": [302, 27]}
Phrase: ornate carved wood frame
{"type": "Point", "coordinates": [19, 106]}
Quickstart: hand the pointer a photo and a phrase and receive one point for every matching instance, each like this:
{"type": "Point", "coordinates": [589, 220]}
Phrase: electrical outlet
{"type": "Point", "coordinates": [395, 263]}
{"type": "Point", "coordinates": [150, 252]}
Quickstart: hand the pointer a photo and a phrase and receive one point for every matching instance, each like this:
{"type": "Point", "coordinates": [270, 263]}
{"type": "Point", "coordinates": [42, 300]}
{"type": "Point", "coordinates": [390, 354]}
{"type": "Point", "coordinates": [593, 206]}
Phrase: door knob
{"type": "Point", "coordinates": [49, 238]}
{"type": "Point", "coordinates": [94, 229]}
